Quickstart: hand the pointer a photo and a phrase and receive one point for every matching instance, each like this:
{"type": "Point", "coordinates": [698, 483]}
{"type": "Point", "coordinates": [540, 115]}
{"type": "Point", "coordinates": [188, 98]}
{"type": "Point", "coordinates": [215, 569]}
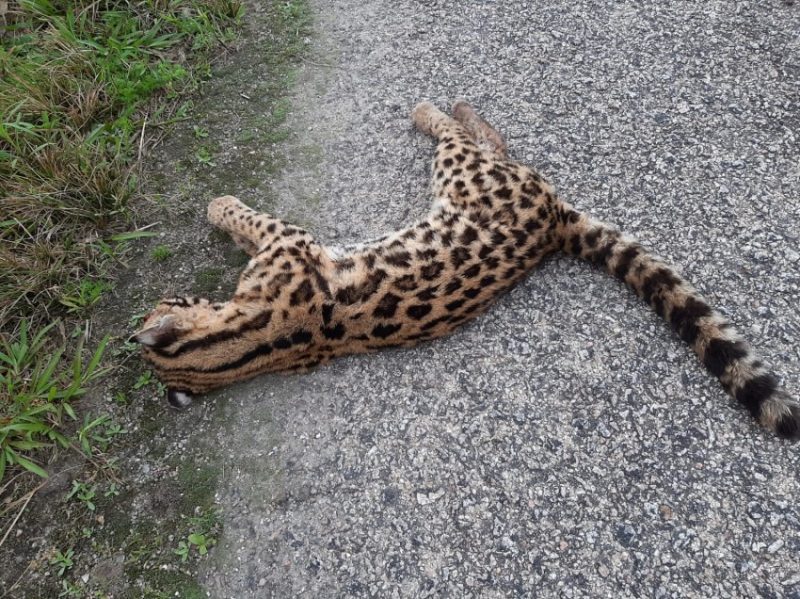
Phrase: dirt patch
{"type": "Point", "coordinates": [143, 517]}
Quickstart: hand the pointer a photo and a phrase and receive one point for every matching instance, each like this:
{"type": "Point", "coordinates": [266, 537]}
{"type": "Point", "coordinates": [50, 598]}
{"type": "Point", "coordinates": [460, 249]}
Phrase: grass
{"type": "Point", "coordinates": [84, 87]}
{"type": "Point", "coordinates": [99, 514]}
{"type": "Point", "coordinates": [77, 82]}
{"type": "Point", "coordinates": [160, 253]}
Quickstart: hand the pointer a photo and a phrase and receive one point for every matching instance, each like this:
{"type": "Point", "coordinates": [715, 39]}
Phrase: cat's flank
{"type": "Point", "coordinates": [300, 303]}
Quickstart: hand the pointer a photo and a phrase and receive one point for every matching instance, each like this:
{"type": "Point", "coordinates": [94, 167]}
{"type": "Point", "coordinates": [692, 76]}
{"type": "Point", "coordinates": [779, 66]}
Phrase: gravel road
{"type": "Point", "coordinates": [566, 444]}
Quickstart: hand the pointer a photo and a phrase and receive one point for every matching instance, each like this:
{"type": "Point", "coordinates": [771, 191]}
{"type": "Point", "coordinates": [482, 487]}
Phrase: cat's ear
{"type": "Point", "coordinates": [161, 334]}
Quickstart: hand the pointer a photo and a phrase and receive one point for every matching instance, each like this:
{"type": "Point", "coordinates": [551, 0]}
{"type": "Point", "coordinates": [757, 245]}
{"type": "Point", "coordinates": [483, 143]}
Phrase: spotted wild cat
{"type": "Point", "coordinates": [300, 303]}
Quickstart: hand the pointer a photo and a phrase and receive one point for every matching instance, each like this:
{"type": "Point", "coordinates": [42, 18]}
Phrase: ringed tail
{"type": "Point", "coordinates": [712, 337]}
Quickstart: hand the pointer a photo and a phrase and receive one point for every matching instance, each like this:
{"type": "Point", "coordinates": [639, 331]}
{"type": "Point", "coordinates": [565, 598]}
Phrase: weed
{"type": "Point", "coordinates": [144, 379]}
{"type": "Point", "coordinates": [84, 493]}
{"type": "Point", "coordinates": [63, 561]}
{"type": "Point", "coordinates": [203, 155]}
{"type": "Point", "coordinates": [161, 253]}
{"type": "Point", "coordinates": [203, 526]}
{"type": "Point", "coordinates": [82, 296]}
{"type": "Point", "coordinates": [38, 394]}
{"type": "Point", "coordinates": [96, 433]}
{"type": "Point", "coordinates": [182, 550]}
{"type": "Point", "coordinates": [69, 589]}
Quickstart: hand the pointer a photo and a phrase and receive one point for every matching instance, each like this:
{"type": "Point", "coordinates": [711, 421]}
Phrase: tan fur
{"type": "Point", "coordinates": [299, 303]}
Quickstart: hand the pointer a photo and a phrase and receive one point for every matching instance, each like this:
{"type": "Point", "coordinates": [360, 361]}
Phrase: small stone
{"type": "Point", "coordinates": [602, 570]}
{"type": "Point", "coordinates": [430, 497]}
{"type": "Point", "coordinates": [665, 511]}
{"type": "Point", "coordinates": [775, 546]}
{"type": "Point", "coordinates": [262, 582]}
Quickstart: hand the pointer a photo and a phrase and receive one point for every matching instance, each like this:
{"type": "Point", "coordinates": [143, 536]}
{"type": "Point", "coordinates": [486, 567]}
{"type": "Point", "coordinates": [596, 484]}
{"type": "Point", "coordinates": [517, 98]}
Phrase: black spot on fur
{"type": "Point", "coordinates": [335, 332]}
{"type": "Point", "coordinates": [498, 238]}
{"type": "Point", "coordinates": [601, 255]}
{"type": "Point", "coordinates": [406, 283]}
{"type": "Point", "coordinates": [455, 304]}
{"type": "Point", "coordinates": [348, 295]}
{"type": "Point", "coordinates": [684, 318]}
{"type": "Point", "coordinates": [419, 311]}
{"type": "Point", "coordinates": [428, 293]}
{"type": "Point", "coordinates": [472, 271]}
{"type": "Point", "coordinates": [485, 252]}
{"type": "Point", "coordinates": [721, 353]}
{"type": "Point", "coordinates": [487, 280]}
{"type": "Point", "coordinates": [753, 393]}
{"type": "Point", "coordinates": [432, 270]}
{"type": "Point", "coordinates": [474, 165]}
{"type": "Point", "coordinates": [327, 313]}
{"type": "Point", "coordinates": [427, 254]}
{"type": "Point", "coordinates": [400, 259]}
{"type": "Point", "coordinates": [302, 336]}
{"type": "Point", "coordinates": [345, 264]}
{"type": "Point", "coordinates": [471, 293]}
{"type": "Point", "coordinates": [491, 262]}
{"type": "Point", "coordinates": [282, 343]}
{"type": "Point", "coordinates": [659, 281]}
{"type": "Point", "coordinates": [303, 293]}
{"type": "Point", "coordinates": [387, 306]}
{"type": "Point", "coordinates": [384, 330]}
{"type": "Point", "coordinates": [591, 238]}
{"type": "Point", "coordinates": [575, 245]}
{"type": "Point", "coordinates": [459, 256]}
{"type": "Point", "coordinates": [372, 283]}
{"type": "Point", "coordinates": [468, 235]}
{"type": "Point", "coordinates": [503, 193]}
{"type": "Point", "coordinates": [532, 225]}
{"type": "Point", "coordinates": [623, 261]}
{"type": "Point", "coordinates": [453, 286]}
{"type": "Point", "coordinates": [432, 323]}
{"type": "Point", "coordinates": [496, 175]}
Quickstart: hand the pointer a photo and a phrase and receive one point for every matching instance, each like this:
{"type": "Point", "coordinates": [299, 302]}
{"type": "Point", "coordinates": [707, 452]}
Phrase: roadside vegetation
{"type": "Point", "coordinates": [85, 87]}
{"type": "Point", "coordinates": [94, 501]}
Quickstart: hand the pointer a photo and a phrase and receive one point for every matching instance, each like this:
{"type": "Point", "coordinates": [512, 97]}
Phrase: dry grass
{"type": "Point", "coordinates": [80, 81]}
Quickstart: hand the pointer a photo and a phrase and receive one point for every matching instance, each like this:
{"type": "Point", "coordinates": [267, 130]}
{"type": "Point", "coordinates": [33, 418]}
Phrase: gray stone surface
{"type": "Point", "coordinates": [566, 444]}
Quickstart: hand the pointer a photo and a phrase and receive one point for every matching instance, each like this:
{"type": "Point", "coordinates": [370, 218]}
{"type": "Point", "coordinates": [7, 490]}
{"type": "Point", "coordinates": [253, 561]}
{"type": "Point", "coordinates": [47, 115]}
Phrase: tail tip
{"type": "Point", "coordinates": [781, 414]}
{"type": "Point", "coordinates": [788, 426]}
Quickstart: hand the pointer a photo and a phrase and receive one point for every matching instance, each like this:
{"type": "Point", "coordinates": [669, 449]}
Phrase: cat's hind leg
{"type": "Point", "coordinates": [482, 132]}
